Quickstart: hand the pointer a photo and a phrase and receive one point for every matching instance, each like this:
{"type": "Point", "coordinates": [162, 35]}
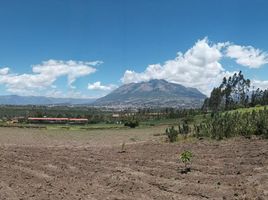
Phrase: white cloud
{"type": "Point", "coordinates": [4, 71]}
{"type": "Point", "coordinates": [247, 56]}
{"type": "Point", "coordinates": [44, 75]}
{"type": "Point", "coordinates": [69, 94]}
{"type": "Point", "coordinates": [98, 86]}
{"type": "Point", "coordinates": [72, 69]}
{"type": "Point", "coordinates": [199, 67]}
{"type": "Point", "coordinates": [259, 84]}
{"type": "Point", "coordinates": [95, 63]}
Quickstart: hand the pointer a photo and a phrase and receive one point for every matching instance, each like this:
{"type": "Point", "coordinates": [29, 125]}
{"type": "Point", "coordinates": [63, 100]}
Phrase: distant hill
{"type": "Point", "coordinates": [39, 100]}
{"type": "Point", "coordinates": [154, 93]}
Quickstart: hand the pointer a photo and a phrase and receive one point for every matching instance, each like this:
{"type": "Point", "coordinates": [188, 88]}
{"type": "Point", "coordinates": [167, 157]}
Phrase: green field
{"type": "Point", "coordinates": [243, 110]}
{"type": "Point", "coordinates": [88, 127]}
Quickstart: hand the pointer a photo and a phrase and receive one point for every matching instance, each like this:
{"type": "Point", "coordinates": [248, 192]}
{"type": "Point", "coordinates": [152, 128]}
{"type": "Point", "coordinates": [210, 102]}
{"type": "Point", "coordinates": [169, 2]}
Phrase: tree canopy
{"type": "Point", "coordinates": [235, 92]}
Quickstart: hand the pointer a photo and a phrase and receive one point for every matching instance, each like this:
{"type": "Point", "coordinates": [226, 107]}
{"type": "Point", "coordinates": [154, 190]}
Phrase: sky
{"type": "Point", "coordinates": [87, 48]}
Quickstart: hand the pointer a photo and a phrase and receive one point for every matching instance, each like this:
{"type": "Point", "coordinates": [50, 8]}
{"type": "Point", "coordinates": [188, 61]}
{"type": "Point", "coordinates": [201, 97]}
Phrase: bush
{"type": "Point", "coordinates": [172, 134]}
{"type": "Point", "coordinates": [184, 129]}
{"type": "Point", "coordinates": [229, 124]}
{"type": "Point", "coordinates": [132, 123]}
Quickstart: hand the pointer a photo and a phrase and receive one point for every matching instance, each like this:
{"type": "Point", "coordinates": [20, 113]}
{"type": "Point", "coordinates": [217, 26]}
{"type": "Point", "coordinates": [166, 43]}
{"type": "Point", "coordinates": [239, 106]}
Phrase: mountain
{"type": "Point", "coordinates": [39, 100]}
{"type": "Point", "coordinates": [154, 93]}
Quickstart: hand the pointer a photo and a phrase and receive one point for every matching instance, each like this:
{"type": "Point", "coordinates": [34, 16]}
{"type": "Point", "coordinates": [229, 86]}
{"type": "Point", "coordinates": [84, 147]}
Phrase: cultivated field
{"type": "Point", "coordinates": [70, 165]}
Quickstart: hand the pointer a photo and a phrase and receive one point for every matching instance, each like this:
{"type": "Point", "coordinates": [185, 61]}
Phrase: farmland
{"type": "Point", "coordinates": [86, 164]}
{"type": "Point", "coordinates": [134, 100]}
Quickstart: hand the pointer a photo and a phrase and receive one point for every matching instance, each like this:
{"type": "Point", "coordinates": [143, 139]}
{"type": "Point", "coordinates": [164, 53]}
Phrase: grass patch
{"type": "Point", "coordinates": [245, 110]}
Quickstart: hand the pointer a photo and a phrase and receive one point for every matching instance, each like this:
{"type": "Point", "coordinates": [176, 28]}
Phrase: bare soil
{"type": "Point", "coordinates": [48, 165]}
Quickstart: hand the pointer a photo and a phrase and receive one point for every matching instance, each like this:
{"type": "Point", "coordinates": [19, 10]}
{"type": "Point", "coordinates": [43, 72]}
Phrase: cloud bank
{"type": "Point", "coordinates": [98, 86]}
{"type": "Point", "coordinates": [260, 84]}
{"type": "Point", "coordinates": [247, 56]}
{"type": "Point", "coordinates": [44, 75]}
{"type": "Point", "coordinates": [200, 66]}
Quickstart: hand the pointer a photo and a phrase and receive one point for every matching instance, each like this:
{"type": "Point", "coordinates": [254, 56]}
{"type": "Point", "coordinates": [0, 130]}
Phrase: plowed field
{"type": "Point", "coordinates": [39, 165]}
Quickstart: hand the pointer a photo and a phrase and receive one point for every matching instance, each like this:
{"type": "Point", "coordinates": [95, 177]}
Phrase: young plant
{"type": "Point", "coordinates": [186, 159]}
{"type": "Point", "coordinates": [123, 148]}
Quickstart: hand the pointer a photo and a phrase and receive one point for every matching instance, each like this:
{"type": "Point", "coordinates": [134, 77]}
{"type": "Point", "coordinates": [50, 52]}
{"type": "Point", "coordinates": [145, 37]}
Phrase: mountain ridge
{"type": "Point", "coordinates": [153, 93]}
{"type": "Point", "coordinates": [41, 100]}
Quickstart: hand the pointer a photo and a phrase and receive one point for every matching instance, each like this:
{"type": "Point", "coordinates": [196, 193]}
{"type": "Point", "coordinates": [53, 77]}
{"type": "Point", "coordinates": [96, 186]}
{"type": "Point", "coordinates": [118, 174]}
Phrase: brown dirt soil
{"type": "Point", "coordinates": [231, 169]}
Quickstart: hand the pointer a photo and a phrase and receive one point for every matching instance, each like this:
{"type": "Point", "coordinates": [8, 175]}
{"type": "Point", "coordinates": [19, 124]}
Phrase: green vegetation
{"type": "Point", "coordinates": [10, 111]}
{"type": "Point", "coordinates": [242, 122]}
{"type": "Point", "coordinates": [248, 110]}
{"type": "Point", "coordinates": [96, 116]}
{"type": "Point", "coordinates": [234, 92]}
{"type": "Point", "coordinates": [184, 128]}
{"type": "Point", "coordinates": [86, 127]}
{"type": "Point", "coordinates": [132, 123]}
{"type": "Point", "coordinates": [158, 122]}
{"type": "Point", "coordinates": [172, 134]}
{"type": "Point", "coordinates": [186, 159]}
{"type": "Point", "coordinates": [231, 110]}
{"type": "Point", "coordinates": [219, 125]}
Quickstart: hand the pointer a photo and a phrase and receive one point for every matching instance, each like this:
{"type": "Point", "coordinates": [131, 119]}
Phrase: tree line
{"type": "Point", "coordinates": [235, 92]}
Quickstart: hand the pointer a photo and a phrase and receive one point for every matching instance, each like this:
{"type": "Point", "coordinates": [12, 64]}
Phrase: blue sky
{"type": "Point", "coordinates": [87, 48]}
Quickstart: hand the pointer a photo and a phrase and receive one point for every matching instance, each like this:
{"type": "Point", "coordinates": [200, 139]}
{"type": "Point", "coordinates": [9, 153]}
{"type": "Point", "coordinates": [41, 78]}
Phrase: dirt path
{"type": "Point", "coordinates": [233, 169]}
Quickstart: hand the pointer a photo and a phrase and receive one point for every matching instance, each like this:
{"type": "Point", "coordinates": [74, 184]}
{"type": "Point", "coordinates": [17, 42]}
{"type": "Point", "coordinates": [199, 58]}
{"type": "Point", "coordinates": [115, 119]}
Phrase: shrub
{"type": "Point", "coordinates": [201, 130]}
{"type": "Point", "coordinates": [132, 123]}
{"type": "Point", "coordinates": [172, 134]}
{"type": "Point", "coordinates": [184, 129]}
{"type": "Point", "coordinates": [229, 124]}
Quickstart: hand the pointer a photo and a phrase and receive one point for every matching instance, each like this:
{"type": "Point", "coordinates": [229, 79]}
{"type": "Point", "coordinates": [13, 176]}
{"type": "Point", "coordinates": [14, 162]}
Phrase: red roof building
{"type": "Point", "coordinates": [51, 119]}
